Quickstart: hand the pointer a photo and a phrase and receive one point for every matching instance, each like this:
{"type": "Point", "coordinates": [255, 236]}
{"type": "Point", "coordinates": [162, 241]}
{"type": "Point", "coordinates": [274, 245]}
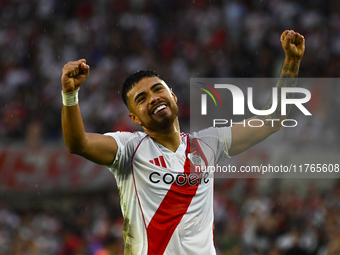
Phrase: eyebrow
{"type": "Point", "coordinates": [143, 92]}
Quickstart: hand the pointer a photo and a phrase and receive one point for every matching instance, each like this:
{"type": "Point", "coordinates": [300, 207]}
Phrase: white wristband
{"type": "Point", "coordinates": [71, 98]}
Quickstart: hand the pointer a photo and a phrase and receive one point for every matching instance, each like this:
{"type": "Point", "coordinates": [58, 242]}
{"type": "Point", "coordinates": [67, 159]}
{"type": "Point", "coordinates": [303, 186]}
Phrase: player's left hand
{"type": "Point", "coordinates": [293, 44]}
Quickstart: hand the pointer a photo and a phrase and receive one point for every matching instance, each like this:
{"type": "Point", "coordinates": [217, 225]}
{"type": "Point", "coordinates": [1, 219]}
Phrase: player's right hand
{"type": "Point", "coordinates": [74, 74]}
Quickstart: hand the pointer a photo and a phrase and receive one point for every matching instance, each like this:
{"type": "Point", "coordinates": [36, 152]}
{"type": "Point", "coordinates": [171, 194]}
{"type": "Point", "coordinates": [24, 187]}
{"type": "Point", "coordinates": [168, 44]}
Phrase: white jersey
{"type": "Point", "coordinates": [166, 200]}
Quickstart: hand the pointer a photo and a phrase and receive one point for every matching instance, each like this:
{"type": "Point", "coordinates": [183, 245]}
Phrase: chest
{"type": "Point", "coordinates": [155, 168]}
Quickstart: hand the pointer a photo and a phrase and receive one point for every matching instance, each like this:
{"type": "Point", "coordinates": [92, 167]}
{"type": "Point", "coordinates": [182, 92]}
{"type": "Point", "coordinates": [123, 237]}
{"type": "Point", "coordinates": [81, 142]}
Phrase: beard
{"type": "Point", "coordinates": [165, 123]}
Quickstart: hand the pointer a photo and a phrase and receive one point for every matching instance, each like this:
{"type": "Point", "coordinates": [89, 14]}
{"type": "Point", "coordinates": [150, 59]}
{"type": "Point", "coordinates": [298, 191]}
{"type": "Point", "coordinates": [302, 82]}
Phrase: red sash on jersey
{"type": "Point", "coordinates": [172, 208]}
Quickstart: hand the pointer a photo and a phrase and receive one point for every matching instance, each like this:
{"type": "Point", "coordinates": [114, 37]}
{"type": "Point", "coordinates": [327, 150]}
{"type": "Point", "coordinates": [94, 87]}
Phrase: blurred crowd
{"type": "Point", "coordinates": [63, 225]}
{"type": "Point", "coordinates": [275, 223]}
{"type": "Point", "coordinates": [279, 223]}
{"type": "Point", "coordinates": [179, 39]}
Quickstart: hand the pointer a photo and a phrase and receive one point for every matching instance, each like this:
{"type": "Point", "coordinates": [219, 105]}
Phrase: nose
{"type": "Point", "coordinates": [153, 98]}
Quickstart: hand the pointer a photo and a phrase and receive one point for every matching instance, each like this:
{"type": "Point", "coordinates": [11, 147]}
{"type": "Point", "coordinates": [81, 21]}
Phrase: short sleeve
{"type": "Point", "coordinates": [126, 142]}
{"type": "Point", "coordinates": [219, 139]}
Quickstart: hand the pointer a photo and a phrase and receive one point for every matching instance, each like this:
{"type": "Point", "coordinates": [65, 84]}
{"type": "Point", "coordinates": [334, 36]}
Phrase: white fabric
{"type": "Point", "coordinates": [71, 98]}
{"type": "Point", "coordinates": [144, 181]}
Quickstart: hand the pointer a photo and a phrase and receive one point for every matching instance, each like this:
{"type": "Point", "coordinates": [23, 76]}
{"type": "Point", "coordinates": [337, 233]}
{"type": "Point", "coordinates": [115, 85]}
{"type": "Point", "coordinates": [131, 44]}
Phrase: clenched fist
{"type": "Point", "coordinates": [74, 74]}
{"type": "Point", "coordinates": [293, 44]}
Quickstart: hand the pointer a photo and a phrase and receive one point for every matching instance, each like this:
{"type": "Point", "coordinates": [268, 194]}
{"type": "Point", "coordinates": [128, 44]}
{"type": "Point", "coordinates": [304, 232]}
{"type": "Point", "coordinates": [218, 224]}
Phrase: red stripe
{"type": "Point", "coordinates": [151, 161]}
{"type": "Point", "coordinates": [170, 212]}
{"type": "Point", "coordinates": [157, 162]}
{"type": "Point", "coordinates": [162, 161]}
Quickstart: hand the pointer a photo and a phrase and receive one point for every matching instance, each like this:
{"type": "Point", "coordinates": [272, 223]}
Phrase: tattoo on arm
{"type": "Point", "coordinates": [288, 76]}
{"type": "Point", "coordinates": [289, 70]}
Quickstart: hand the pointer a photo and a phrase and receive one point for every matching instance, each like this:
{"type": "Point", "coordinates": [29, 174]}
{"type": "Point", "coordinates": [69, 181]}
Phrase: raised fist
{"type": "Point", "coordinates": [293, 44]}
{"type": "Point", "coordinates": [74, 74]}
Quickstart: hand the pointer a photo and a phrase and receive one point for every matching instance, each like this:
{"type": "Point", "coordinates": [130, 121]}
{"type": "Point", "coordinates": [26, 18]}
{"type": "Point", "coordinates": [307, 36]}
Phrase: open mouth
{"type": "Point", "coordinates": [159, 108]}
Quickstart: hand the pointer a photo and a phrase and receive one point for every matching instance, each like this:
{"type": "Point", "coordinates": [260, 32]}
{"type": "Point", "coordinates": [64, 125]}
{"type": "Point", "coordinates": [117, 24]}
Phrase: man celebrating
{"type": "Point", "coordinates": [167, 207]}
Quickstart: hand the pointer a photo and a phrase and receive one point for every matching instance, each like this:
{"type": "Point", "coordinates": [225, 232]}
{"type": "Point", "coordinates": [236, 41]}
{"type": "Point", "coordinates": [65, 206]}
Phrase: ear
{"type": "Point", "coordinates": [173, 95]}
{"type": "Point", "coordinates": [135, 119]}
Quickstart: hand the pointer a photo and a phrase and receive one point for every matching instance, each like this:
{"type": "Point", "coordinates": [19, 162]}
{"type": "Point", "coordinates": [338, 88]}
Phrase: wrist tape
{"type": "Point", "coordinates": [71, 98]}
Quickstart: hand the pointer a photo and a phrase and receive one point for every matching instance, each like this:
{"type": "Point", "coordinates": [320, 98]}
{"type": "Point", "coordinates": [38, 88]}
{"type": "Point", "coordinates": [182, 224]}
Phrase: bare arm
{"type": "Point", "coordinates": [98, 148]}
{"type": "Point", "coordinates": [245, 137]}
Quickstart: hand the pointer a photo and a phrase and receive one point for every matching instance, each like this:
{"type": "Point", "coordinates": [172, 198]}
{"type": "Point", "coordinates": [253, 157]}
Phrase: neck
{"type": "Point", "coordinates": [170, 138]}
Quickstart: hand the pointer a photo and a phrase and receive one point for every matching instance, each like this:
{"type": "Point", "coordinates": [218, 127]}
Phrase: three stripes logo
{"type": "Point", "coordinates": [204, 97]}
{"type": "Point", "coordinates": [158, 161]}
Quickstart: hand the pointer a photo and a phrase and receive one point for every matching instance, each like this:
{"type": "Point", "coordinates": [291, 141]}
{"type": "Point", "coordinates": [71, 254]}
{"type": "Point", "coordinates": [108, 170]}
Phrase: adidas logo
{"type": "Point", "coordinates": [158, 161]}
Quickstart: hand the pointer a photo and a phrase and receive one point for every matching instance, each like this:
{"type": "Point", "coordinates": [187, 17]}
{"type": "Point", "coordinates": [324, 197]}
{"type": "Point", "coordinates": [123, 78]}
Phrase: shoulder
{"type": "Point", "coordinates": [127, 143]}
{"type": "Point", "coordinates": [124, 138]}
{"type": "Point", "coordinates": [212, 132]}
{"type": "Point", "coordinates": [215, 137]}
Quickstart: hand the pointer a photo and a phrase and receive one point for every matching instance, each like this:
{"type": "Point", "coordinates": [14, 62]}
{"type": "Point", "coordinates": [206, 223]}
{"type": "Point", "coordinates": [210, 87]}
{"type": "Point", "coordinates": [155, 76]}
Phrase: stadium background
{"type": "Point", "coordinates": [52, 202]}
